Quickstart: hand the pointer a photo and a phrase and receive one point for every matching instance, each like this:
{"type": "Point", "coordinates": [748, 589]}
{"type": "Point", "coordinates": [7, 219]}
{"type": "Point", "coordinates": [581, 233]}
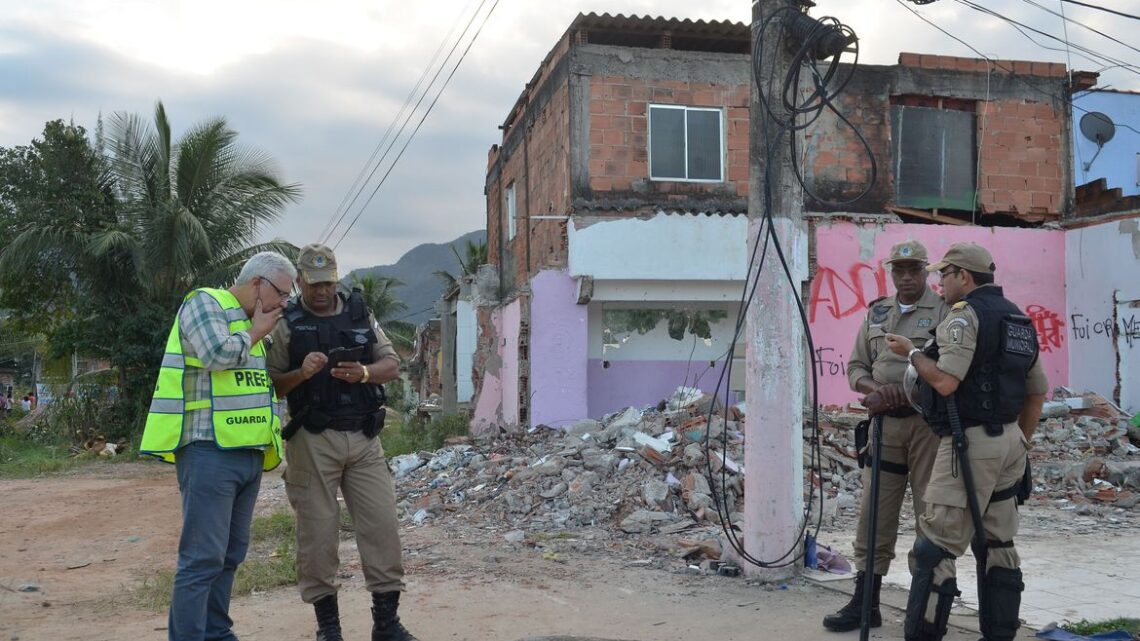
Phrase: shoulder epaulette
{"type": "Point", "coordinates": [960, 305]}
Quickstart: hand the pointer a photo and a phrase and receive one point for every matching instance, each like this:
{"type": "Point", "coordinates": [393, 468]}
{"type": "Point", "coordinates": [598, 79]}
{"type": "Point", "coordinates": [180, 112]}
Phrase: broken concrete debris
{"type": "Point", "coordinates": [1084, 437]}
{"type": "Point", "coordinates": [644, 472]}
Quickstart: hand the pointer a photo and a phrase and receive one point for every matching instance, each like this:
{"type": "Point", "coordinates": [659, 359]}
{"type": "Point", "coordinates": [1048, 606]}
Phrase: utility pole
{"type": "Point", "coordinates": [775, 360]}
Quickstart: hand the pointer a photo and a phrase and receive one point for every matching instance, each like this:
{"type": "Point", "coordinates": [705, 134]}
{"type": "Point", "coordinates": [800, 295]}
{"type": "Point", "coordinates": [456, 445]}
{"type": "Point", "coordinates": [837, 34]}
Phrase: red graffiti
{"type": "Point", "coordinates": [1049, 327]}
{"type": "Point", "coordinates": [843, 297]}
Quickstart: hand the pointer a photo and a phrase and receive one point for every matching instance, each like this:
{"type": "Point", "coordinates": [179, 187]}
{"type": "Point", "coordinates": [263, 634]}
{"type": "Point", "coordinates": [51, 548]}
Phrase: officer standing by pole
{"type": "Point", "coordinates": [908, 445]}
{"type": "Point", "coordinates": [981, 389]}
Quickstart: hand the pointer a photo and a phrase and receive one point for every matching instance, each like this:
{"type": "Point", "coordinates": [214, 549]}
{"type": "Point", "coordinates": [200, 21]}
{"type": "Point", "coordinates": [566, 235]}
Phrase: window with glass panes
{"type": "Point", "coordinates": [686, 143]}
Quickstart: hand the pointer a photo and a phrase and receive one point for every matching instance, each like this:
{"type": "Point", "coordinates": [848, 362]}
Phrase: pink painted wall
{"type": "Point", "coordinates": [849, 275]}
{"type": "Point", "coordinates": [558, 348]}
{"type": "Point", "coordinates": [498, 397]}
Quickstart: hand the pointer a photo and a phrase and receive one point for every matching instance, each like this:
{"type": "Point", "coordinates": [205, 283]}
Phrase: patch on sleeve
{"type": "Point", "coordinates": [879, 314]}
{"type": "Point", "coordinates": [955, 334]}
{"type": "Point", "coordinates": [955, 329]}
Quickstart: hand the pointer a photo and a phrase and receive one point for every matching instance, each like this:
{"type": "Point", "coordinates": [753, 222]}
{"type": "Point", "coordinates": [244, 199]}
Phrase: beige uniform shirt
{"type": "Point", "coordinates": [957, 340]}
{"type": "Point", "coordinates": [871, 357]}
{"type": "Point", "coordinates": [277, 353]}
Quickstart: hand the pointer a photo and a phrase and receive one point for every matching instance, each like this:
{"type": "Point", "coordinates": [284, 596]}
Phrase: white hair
{"type": "Point", "coordinates": [266, 265]}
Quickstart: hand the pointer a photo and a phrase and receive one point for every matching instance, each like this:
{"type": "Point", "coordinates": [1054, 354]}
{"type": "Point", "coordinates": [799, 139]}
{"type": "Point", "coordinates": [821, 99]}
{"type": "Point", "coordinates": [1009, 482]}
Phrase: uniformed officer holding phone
{"type": "Point", "coordinates": [330, 358]}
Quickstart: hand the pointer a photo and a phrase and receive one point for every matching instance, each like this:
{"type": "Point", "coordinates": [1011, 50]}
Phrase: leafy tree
{"type": "Point", "coordinates": [54, 194]}
{"type": "Point", "coordinates": [106, 244]}
{"type": "Point", "coordinates": [475, 254]}
{"type": "Point", "coordinates": [379, 297]}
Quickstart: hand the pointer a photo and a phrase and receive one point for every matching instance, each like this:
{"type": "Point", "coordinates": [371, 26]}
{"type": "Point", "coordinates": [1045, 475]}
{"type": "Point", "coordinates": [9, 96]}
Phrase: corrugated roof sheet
{"type": "Point", "coordinates": [696, 35]}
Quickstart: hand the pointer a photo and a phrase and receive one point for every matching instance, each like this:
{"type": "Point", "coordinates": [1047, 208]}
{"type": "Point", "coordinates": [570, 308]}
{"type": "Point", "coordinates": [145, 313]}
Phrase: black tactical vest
{"type": "Point", "coordinates": [330, 401]}
{"type": "Point", "coordinates": [993, 392]}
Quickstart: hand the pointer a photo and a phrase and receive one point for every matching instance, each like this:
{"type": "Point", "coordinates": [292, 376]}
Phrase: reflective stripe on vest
{"type": "Point", "coordinates": [241, 399]}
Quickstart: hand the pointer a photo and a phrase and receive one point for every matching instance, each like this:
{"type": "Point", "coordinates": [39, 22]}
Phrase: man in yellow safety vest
{"type": "Point", "coordinates": [213, 416]}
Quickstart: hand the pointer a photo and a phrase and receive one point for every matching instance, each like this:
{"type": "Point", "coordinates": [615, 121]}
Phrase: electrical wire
{"type": "Point", "coordinates": [357, 187]}
{"type": "Point", "coordinates": [997, 63]}
{"type": "Point", "coordinates": [1092, 56]}
{"type": "Point", "coordinates": [1105, 9]}
{"type": "Point", "coordinates": [1066, 20]}
{"type": "Point", "coordinates": [794, 116]}
{"type": "Point", "coordinates": [412, 136]}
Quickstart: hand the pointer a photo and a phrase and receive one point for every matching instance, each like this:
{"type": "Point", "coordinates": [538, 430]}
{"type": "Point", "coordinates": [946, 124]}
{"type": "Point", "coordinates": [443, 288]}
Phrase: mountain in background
{"type": "Point", "coordinates": [416, 269]}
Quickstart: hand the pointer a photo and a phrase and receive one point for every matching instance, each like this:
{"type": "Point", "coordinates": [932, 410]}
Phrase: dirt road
{"type": "Point", "coordinates": [85, 539]}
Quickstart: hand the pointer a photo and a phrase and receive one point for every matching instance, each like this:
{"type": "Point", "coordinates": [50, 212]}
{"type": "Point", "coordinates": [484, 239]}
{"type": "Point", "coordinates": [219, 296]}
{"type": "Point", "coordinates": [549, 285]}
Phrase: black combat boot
{"type": "Point", "coordinates": [328, 619]}
{"type": "Point", "coordinates": [851, 615]}
{"type": "Point", "coordinates": [386, 624]}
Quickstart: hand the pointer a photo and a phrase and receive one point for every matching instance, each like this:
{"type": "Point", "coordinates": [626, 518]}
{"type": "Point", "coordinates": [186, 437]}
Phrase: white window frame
{"type": "Point", "coordinates": [649, 128]}
{"type": "Point", "coordinates": [511, 207]}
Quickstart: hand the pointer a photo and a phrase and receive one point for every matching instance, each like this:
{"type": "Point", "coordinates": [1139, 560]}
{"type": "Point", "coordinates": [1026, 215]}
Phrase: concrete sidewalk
{"type": "Point", "coordinates": [1068, 576]}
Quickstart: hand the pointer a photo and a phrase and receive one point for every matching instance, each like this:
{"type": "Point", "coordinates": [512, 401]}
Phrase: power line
{"type": "Point", "coordinates": [1105, 9]}
{"type": "Point", "coordinates": [356, 187]}
{"type": "Point", "coordinates": [418, 125]}
{"type": "Point", "coordinates": [361, 186]}
{"type": "Point", "coordinates": [1067, 20]}
{"type": "Point", "coordinates": [999, 65]}
{"type": "Point", "coordinates": [1020, 26]}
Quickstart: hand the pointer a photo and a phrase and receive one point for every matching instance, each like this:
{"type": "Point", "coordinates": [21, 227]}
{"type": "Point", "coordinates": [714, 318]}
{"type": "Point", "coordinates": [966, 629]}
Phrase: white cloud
{"type": "Point", "coordinates": [315, 84]}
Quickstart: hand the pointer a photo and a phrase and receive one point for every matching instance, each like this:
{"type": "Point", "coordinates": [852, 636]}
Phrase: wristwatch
{"type": "Point", "coordinates": [911, 353]}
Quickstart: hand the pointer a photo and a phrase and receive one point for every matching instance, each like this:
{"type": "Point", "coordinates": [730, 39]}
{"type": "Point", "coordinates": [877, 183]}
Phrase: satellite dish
{"type": "Point", "coordinates": [1098, 128]}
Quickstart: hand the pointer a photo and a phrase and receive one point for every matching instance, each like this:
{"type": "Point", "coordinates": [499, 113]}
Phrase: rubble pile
{"type": "Point", "coordinates": [1084, 450]}
{"type": "Point", "coordinates": [644, 470]}
{"type": "Point", "coordinates": [640, 470]}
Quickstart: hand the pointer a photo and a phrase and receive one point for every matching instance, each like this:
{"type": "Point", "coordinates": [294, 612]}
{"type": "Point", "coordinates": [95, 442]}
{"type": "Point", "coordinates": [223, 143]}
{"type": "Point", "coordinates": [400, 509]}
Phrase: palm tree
{"type": "Point", "coordinates": [475, 254]}
{"type": "Point", "coordinates": [386, 307]}
{"type": "Point", "coordinates": [187, 210]}
{"type": "Point", "coordinates": [181, 214]}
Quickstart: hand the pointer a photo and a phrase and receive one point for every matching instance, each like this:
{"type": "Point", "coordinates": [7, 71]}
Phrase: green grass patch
{"type": "Point", "coordinates": [22, 458]}
{"type": "Point", "coordinates": [417, 434]}
{"type": "Point", "coordinates": [1084, 627]}
{"type": "Point", "coordinates": [271, 563]}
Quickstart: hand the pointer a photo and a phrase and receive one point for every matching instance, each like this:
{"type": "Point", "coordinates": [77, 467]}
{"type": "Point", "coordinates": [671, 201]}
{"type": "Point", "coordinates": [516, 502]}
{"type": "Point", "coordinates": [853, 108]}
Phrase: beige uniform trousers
{"type": "Point", "coordinates": [318, 464]}
{"type": "Point", "coordinates": [909, 447]}
{"type": "Point", "coordinates": [998, 463]}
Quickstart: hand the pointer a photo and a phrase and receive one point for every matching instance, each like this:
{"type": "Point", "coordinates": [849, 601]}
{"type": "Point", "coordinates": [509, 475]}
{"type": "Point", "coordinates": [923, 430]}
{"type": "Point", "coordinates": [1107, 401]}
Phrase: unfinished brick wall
{"type": "Point", "coordinates": [1020, 120]}
{"type": "Point", "coordinates": [1020, 159]}
{"type": "Point", "coordinates": [535, 158]}
{"type": "Point", "coordinates": [1020, 139]}
{"type": "Point", "coordinates": [838, 165]}
{"type": "Point", "coordinates": [619, 138]}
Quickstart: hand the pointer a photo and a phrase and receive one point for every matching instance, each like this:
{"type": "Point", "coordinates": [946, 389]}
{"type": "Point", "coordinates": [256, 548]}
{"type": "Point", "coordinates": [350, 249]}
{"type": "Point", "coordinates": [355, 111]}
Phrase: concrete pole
{"type": "Point", "coordinates": [775, 368]}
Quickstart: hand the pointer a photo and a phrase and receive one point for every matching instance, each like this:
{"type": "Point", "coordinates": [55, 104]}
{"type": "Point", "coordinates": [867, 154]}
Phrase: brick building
{"type": "Point", "coordinates": [616, 199]}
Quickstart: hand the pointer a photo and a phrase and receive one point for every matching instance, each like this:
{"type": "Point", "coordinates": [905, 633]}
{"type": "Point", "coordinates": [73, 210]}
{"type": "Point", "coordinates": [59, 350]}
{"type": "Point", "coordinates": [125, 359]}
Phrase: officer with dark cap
{"type": "Point", "coordinates": [908, 444]}
{"type": "Point", "coordinates": [981, 389]}
{"type": "Point", "coordinates": [330, 358]}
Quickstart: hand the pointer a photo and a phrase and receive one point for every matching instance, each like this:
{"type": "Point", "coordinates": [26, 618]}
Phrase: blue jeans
{"type": "Point", "coordinates": [219, 489]}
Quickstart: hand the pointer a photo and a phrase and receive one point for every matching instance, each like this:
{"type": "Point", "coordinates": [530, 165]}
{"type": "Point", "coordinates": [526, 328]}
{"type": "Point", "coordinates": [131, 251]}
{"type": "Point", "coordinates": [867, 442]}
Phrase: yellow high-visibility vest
{"type": "Point", "coordinates": [241, 399]}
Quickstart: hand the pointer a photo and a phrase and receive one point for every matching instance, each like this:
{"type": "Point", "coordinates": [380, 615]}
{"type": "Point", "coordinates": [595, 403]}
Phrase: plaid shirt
{"type": "Point", "coordinates": [205, 335]}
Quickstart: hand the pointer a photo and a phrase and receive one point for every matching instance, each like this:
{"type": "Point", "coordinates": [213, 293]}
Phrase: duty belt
{"type": "Point", "coordinates": [348, 424]}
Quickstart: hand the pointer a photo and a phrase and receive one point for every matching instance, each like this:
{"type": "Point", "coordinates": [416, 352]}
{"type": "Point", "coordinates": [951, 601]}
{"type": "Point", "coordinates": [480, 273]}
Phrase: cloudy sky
{"type": "Point", "coordinates": [317, 82]}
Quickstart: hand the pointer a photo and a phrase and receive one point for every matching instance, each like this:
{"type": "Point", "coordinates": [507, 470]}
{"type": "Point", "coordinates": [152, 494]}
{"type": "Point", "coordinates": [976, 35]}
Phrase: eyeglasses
{"type": "Point", "coordinates": [275, 287]}
{"type": "Point", "coordinates": [943, 275]}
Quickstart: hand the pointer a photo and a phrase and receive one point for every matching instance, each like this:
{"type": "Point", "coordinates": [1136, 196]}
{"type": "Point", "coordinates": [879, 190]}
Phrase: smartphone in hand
{"type": "Point", "coordinates": [338, 355]}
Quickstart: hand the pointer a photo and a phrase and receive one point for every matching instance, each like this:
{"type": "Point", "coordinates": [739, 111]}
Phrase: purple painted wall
{"type": "Point", "coordinates": [559, 331]}
{"type": "Point", "coordinates": [642, 383]}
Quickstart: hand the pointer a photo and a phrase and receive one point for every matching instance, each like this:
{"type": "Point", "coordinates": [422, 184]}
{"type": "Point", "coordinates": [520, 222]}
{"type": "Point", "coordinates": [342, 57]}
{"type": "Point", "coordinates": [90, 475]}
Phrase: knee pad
{"type": "Point", "coordinates": [927, 556]}
{"type": "Point", "coordinates": [1000, 604]}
